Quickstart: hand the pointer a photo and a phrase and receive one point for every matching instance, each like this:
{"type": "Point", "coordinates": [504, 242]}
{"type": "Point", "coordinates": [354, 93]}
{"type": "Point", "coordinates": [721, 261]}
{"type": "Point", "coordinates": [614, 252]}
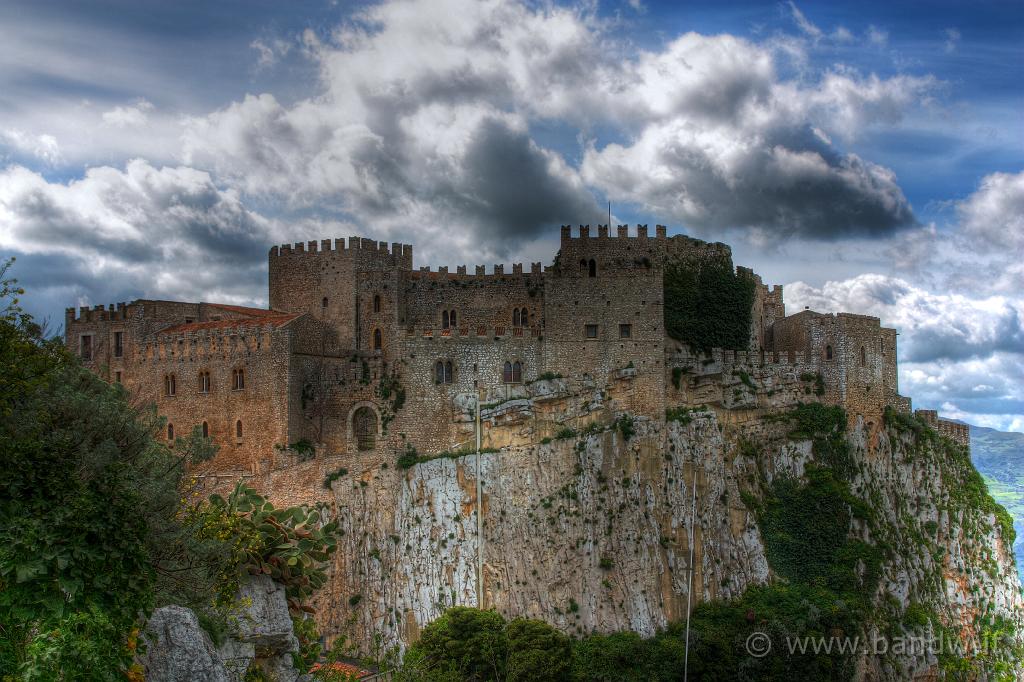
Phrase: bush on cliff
{"type": "Point", "coordinates": [708, 306]}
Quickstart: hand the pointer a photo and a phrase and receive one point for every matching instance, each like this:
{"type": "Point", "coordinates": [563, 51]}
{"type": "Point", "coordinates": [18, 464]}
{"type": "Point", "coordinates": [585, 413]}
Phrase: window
{"type": "Point", "coordinates": [828, 352]}
{"type": "Point", "coordinates": [206, 430]}
{"type": "Point", "coordinates": [323, 303]}
{"type": "Point", "coordinates": [237, 379]}
{"type": "Point", "coordinates": [452, 318]}
{"type": "Point", "coordinates": [118, 344]}
{"type": "Point", "coordinates": [513, 372]}
{"type": "Point", "coordinates": [583, 265]}
{"type": "Point", "coordinates": [592, 268]}
{"type": "Point", "coordinates": [443, 372]}
{"type": "Point", "coordinates": [169, 385]}
{"type": "Point", "coordinates": [515, 318]}
{"type": "Point", "coordinates": [591, 330]}
{"type": "Point", "coordinates": [204, 382]}
{"type": "Point", "coordinates": [863, 356]}
{"type": "Point", "coordinates": [625, 331]}
{"type": "Point", "coordinates": [364, 428]}
{"type": "Point", "coordinates": [376, 303]}
{"type": "Point", "coordinates": [170, 432]}
{"type": "Point", "coordinates": [85, 349]}
{"type": "Point", "coordinates": [377, 340]}
{"type": "Point", "coordinates": [238, 429]}
{"type": "Point", "coordinates": [117, 377]}
{"type": "Point", "coordinates": [444, 319]}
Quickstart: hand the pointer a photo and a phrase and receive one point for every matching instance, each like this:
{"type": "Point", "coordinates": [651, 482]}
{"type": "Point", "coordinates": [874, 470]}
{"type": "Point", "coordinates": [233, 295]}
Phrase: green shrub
{"type": "Point", "coordinates": [708, 306]}
{"type": "Point", "coordinates": [334, 476]}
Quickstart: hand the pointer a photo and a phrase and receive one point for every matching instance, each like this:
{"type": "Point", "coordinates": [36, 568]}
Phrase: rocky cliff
{"type": "Point", "coordinates": [590, 530]}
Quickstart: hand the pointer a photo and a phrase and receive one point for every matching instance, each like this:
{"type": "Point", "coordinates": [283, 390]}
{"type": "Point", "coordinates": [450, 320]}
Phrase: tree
{"type": "Point", "coordinates": [88, 509]}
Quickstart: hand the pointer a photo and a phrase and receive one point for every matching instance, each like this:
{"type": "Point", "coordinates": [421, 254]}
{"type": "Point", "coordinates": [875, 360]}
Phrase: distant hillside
{"type": "Point", "coordinates": [999, 456]}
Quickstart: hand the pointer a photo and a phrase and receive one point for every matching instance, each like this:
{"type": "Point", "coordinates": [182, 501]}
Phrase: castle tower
{"type": "Point", "coordinates": [322, 279]}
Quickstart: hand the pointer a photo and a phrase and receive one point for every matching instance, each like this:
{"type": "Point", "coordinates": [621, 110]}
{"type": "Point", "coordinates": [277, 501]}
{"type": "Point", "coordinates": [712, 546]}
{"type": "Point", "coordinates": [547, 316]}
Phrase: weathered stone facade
{"type": "Point", "coordinates": [350, 326]}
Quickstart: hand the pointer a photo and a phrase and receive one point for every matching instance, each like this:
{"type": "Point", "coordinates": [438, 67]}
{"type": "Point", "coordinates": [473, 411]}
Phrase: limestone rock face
{"type": "Point", "coordinates": [264, 621]}
{"type": "Point", "coordinates": [591, 532]}
{"type": "Point", "coordinates": [178, 650]}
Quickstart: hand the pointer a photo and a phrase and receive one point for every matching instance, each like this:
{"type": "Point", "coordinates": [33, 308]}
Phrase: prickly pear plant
{"type": "Point", "coordinates": [296, 542]}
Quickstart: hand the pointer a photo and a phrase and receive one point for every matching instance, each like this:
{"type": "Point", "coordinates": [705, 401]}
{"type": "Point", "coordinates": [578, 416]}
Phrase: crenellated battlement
{"type": "Point", "coordinates": [339, 245]}
{"type": "Point", "coordinates": [479, 272]}
{"type": "Point", "coordinates": [98, 313]}
{"type": "Point", "coordinates": [621, 232]}
{"type": "Point", "coordinates": [955, 431]}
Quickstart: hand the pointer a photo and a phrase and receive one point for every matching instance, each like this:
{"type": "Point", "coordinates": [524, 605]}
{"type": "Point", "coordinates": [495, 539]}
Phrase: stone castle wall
{"type": "Point", "coordinates": [344, 316]}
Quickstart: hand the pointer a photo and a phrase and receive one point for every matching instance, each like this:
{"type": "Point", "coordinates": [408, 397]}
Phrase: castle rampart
{"type": "Point", "coordinates": [364, 356]}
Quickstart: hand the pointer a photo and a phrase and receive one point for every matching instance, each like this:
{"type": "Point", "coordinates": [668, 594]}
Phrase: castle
{"type": "Point", "coordinates": [361, 356]}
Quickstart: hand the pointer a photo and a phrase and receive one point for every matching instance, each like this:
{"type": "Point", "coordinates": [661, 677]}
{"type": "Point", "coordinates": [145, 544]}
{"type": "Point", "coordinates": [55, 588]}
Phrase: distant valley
{"type": "Point", "coordinates": [999, 456]}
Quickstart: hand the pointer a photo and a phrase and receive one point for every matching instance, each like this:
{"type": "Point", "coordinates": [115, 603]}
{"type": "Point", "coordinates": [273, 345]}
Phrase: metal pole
{"type": "Point", "coordinates": [479, 515]}
{"type": "Point", "coordinates": [689, 587]}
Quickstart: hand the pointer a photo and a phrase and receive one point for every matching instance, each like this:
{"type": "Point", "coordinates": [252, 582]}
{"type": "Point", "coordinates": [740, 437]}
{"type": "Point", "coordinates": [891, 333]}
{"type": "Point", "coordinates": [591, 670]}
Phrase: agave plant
{"type": "Point", "coordinates": [296, 542]}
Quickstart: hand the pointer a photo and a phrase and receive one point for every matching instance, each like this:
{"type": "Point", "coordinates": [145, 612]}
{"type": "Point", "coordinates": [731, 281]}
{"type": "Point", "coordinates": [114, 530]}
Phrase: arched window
{"type": "Point", "coordinates": [451, 318]}
{"type": "Point", "coordinates": [506, 375]}
{"type": "Point", "coordinates": [517, 372]}
{"type": "Point", "coordinates": [863, 356]}
{"type": "Point", "coordinates": [592, 268]}
{"type": "Point", "coordinates": [323, 303]}
{"type": "Point", "coordinates": [515, 318]}
{"type": "Point", "coordinates": [170, 432]}
{"type": "Point", "coordinates": [237, 379]}
{"type": "Point", "coordinates": [169, 385]}
{"type": "Point", "coordinates": [828, 352]}
{"type": "Point", "coordinates": [377, 340]}
{"type": "Point", "coordinates": [376, 303]}
{"type": "Point", "coordinates": [364, 428]}
{"type": "Point", "coordinates": [443, 372]}
{"type": "Point", "coordinates": [204, 382]}
{"type": "Point", "coordinates": [206, 430]}
{"type": "Point", "coordinates": [444, 319]}
{"type": "Point", "coordinates": [524, 317]}
{"type": "Point", "coordinates": [238, 429]}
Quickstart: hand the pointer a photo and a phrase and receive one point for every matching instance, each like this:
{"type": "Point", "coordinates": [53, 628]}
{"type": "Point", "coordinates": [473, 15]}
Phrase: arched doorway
{"type": "Point", "coordinates": [364, 428]}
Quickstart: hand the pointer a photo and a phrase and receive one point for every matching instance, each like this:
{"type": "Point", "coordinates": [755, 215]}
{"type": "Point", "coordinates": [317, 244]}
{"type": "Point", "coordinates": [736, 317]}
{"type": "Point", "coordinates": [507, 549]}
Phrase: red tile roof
{"type": "Point", "coordinates": [245, 310]}
{"type": "Point", "coordinates": [355, 672]}
{"type": "Point", "coordinates": [276, 319]}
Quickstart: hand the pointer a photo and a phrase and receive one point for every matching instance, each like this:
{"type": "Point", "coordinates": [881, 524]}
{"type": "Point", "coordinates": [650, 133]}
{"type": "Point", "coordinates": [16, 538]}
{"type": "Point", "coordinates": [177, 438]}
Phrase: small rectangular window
{"type": "Point", "coordinates": [118, 344]}
{"type": "Point", "coordinates": [86, 347]}
{"type": "Point", "coordinates": [591, 331]}
{"type": "Point", "coordinates": [117, 377]}
{"type": "Point", "coordinates": [625, 331]}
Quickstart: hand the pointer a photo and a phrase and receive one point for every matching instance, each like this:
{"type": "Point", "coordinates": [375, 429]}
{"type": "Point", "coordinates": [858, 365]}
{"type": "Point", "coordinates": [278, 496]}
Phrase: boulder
{"type": "Point", "coordinates": [263, 620]}
{"type": "Point", "coordinates": [178, 650]}
{"type": "Point", "coordinates": [237, 656]}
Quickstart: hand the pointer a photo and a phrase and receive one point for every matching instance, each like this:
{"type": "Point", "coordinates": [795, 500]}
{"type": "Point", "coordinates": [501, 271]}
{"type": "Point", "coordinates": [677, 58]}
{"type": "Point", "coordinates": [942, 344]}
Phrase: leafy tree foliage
{"type": "Point", "coordinates": [708, 305]}
{"type": "Point", "coordinates": [99, 522]}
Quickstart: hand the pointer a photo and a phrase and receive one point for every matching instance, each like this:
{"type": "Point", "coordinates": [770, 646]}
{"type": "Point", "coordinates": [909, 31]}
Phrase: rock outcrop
{"type": "Point", "coordinates": [591, 532]}
{"type": "Point", "coordinates": [178, 650]}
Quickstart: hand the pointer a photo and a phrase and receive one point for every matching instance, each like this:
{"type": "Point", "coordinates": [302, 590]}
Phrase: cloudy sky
{"type": "Point", "coordinates": [867, 155]}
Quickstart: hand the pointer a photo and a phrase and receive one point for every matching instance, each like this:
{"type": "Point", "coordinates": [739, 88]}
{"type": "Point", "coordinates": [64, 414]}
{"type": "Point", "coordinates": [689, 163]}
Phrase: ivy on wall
{"type": "Point", "coordinates": [708, 306]}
